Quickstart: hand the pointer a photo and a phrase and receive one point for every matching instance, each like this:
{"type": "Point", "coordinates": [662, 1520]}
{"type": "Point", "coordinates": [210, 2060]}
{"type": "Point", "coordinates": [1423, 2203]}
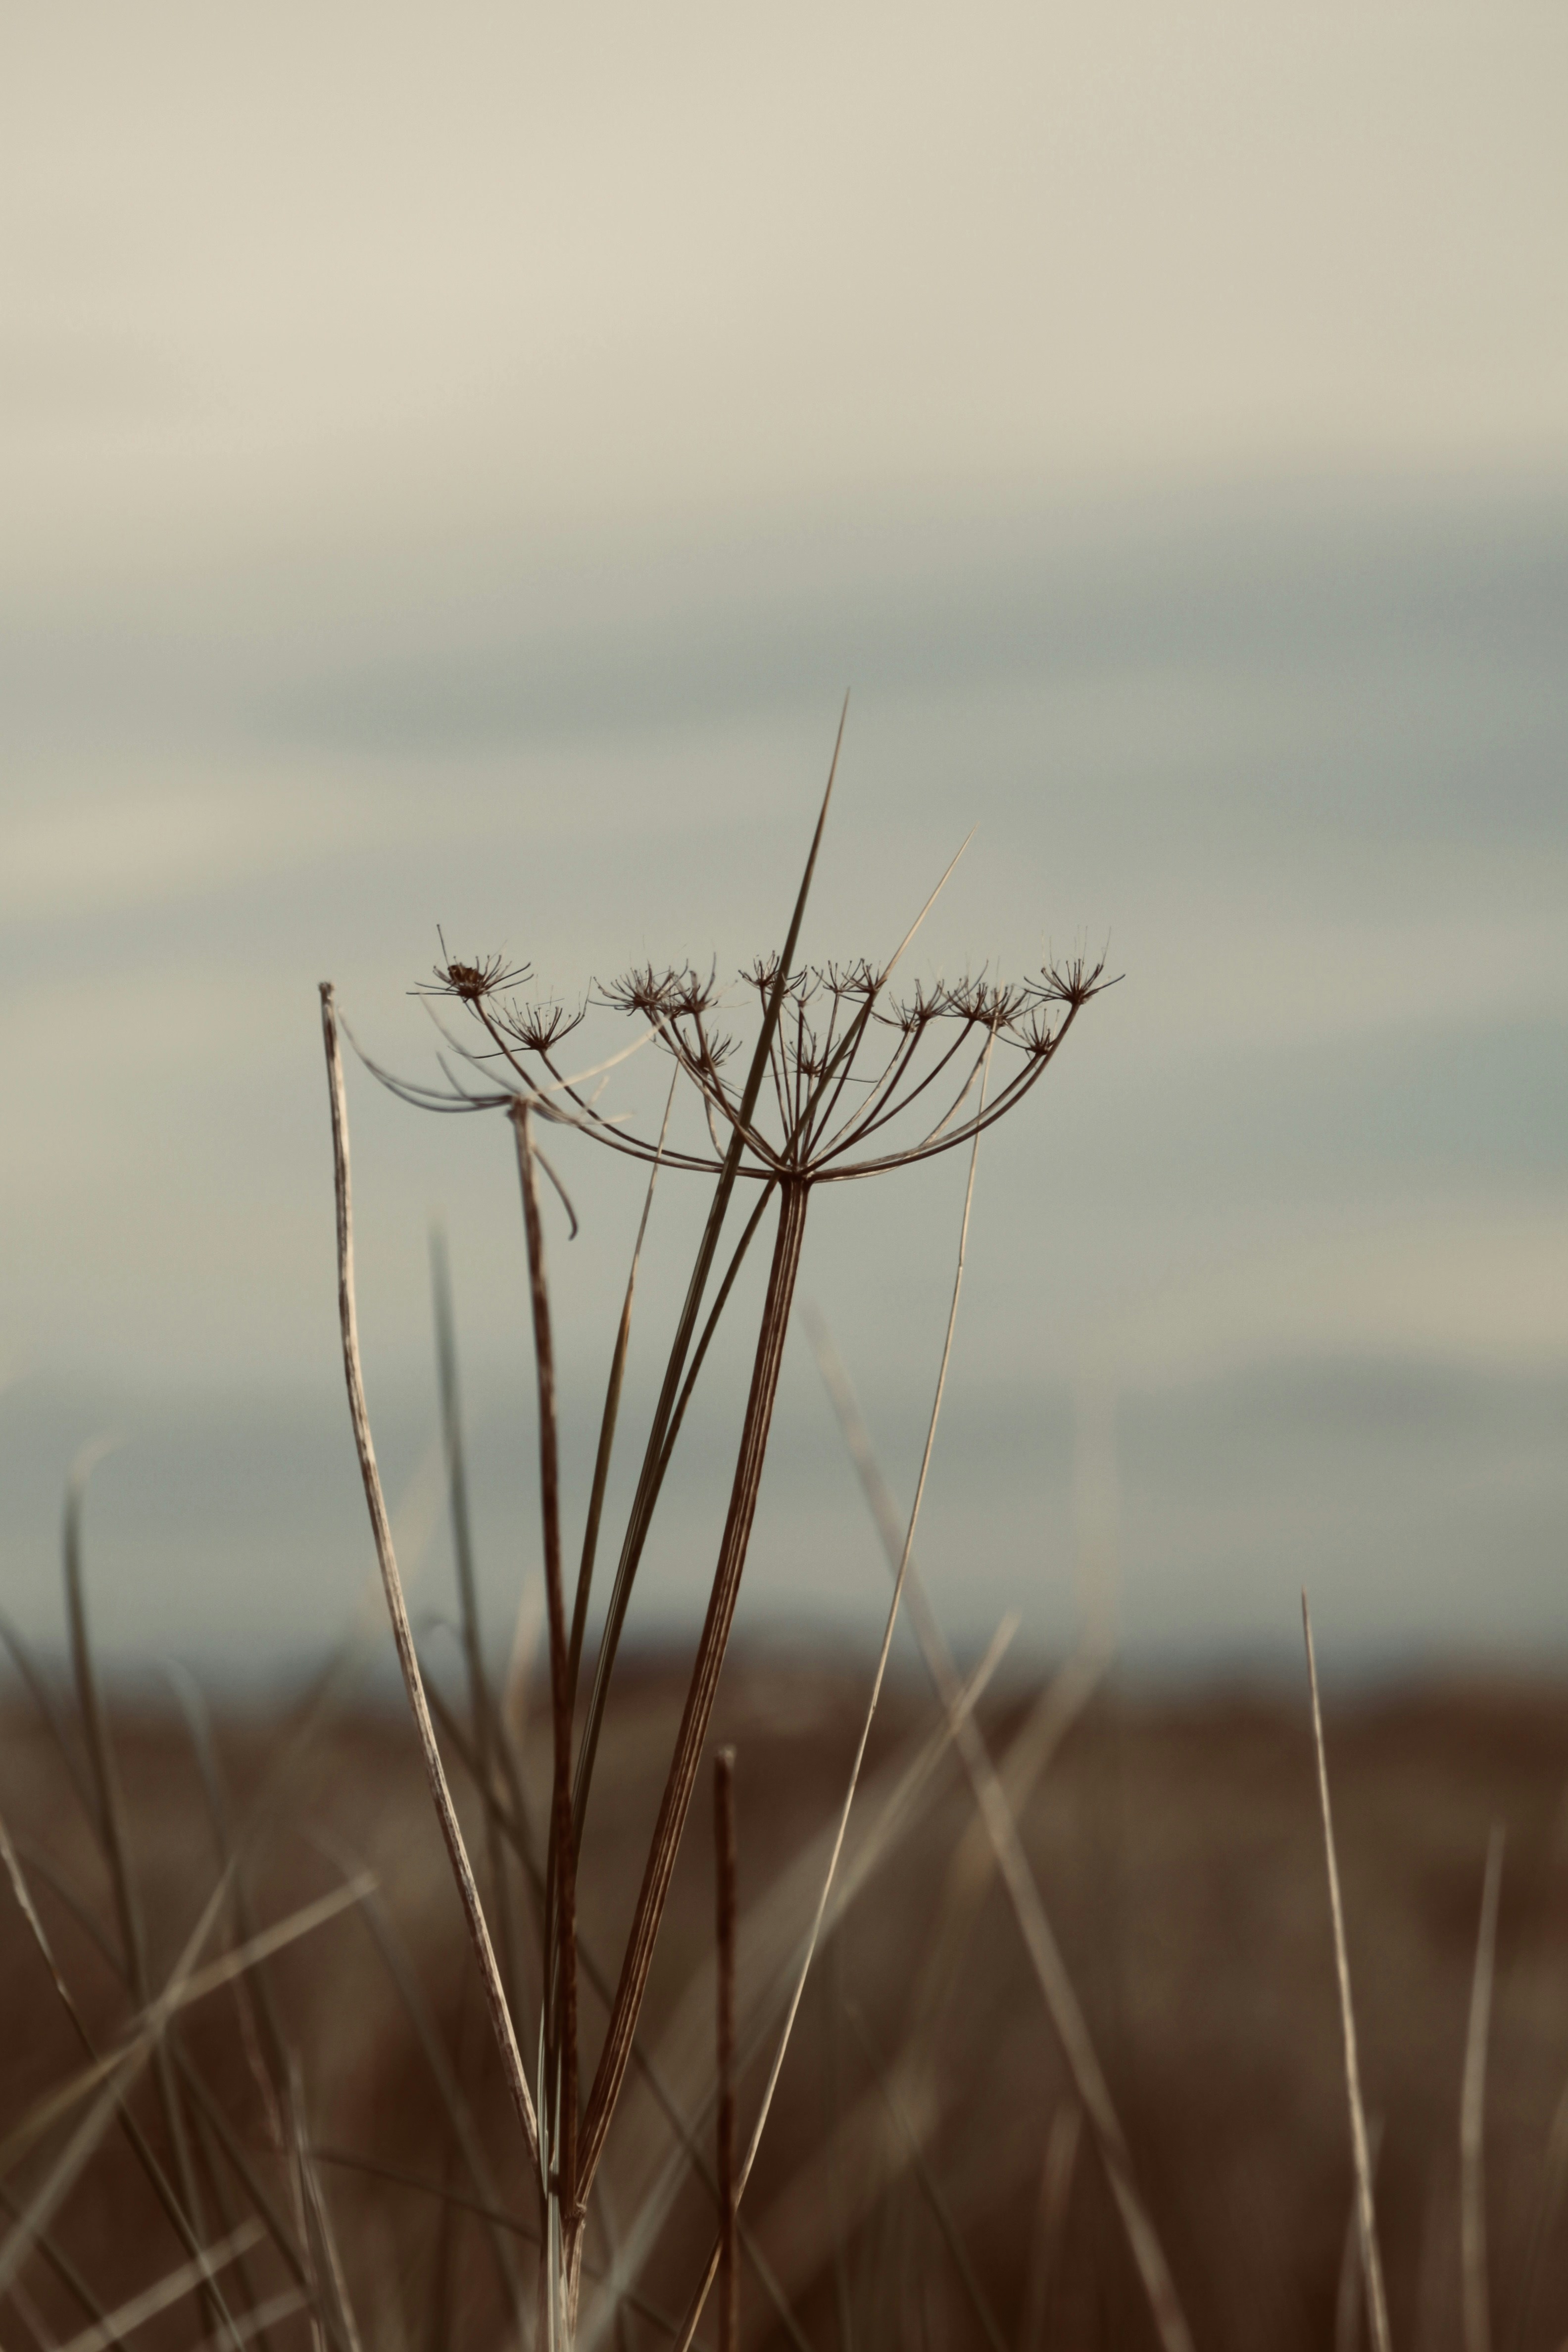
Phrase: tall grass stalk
{"type": "Point", "coordinates": [1371, 2260]}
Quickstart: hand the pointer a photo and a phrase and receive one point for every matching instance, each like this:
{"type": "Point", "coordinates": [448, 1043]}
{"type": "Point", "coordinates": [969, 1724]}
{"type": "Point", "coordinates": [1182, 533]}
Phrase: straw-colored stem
{"type": "Point", "coordinates": [397, 1608]}
{"type": "Point", "coordinates": [1372, 2264]}
{"type": "Point", "coordinates": [1472, 2112]}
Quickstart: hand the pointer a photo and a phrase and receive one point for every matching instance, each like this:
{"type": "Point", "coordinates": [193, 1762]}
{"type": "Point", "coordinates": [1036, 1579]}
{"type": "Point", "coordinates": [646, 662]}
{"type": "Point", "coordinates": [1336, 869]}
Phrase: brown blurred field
{"type": "Point", "coordinates": [1178, 1849]}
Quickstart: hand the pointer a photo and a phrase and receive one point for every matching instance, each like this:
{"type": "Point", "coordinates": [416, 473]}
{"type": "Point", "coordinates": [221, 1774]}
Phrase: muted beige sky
{"type": "Point", "coordinates": [398, 270]}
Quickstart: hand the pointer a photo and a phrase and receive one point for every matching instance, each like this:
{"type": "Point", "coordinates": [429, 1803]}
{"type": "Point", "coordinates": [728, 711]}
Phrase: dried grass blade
{"type": "Point", "coordinates": [1351, 2295]}
{"type": "Point", "coordinates": [64, 2269]}
{"type": "Point", "coordinates": [997, 1813]}
{"type": "Point", "coordinates": [162, 2189]}
{"type": "Point", "coordinates": [446, 1813]}
{"type": "Point", "coordinates": [724, 1882]}
{"type": "Point", "coordinates": [1472, 2112]}
{"type": "Point", "coordinates": [400, 1969]}
{"type": "Point", "coordinates": [168, 2290]}
{"type": "Point", "coordinates": [373, 2168]}
{"type": "Point", "coordinates": [911, 1780]}
{"type": "Point", "coordinates": [1372, 2264]}
{"type": "Point", "coordinates": [480, 1699]}
{"type": "Point", "coordinates": [320, 2219]}
{"type": "Point", "coordinates": [188, 2218]}
{"type": "Point", "coordinates": [1050, 2227]}
{"type": "Point", "coordinates": [43, 1700]}
{"type": "Point", "coordinates": [931, 2191]}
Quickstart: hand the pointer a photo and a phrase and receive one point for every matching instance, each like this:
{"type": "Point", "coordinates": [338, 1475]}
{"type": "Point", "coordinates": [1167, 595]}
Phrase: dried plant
{"type": "Point", "coordinates": [844, 1080]}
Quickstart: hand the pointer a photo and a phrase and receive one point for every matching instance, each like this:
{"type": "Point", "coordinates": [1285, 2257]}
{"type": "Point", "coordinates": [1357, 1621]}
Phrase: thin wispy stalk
{"type": "Point", "coordinates": [724, 1947]}
{"type": "Point", "coordinates": [1372, 2262]}
{"type": "Point", "coordinates": [1477, 2300]}
{"type": "Point", "coordinates": [931, 2189]}
{"type": "Point", "coordinates": [171, 2288]}
{"type": "Point", "coordinates": [187, 2214]}
{"type": "Point", "coordinates": [398, 1609]}
{"type": "Point", "coordinates": [479, 1701]}
{"type": "Point", "coordinates": [995, 1808]}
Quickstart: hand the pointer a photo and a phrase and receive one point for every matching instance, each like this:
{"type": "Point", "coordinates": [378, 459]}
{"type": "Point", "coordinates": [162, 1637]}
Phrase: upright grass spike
{"type": "Point", "coordinates": [724, 1944]}
{"type": "Point", "coordinates": [189, 2221]}
{"type": "Point", "coordinates": [1372, 2262]}
{"type": "Point", "coordinates": [1472, 2112]}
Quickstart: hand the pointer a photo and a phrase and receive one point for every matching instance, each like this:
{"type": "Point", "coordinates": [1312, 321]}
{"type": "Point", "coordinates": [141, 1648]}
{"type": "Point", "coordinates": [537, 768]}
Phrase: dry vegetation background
{"type": "Point", "coordinates": [925, 2180]}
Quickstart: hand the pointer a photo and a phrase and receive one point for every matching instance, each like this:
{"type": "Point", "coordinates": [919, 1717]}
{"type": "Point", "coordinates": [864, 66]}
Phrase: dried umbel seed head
{"type": "Point", "coordinates": [472, 983]}
{"type": "Point", "coordinates": [1071, 981]}
{"type": "Point", "coordinates": [658, 995]}
{"type": "Point", "coordinates": [538, 1027]}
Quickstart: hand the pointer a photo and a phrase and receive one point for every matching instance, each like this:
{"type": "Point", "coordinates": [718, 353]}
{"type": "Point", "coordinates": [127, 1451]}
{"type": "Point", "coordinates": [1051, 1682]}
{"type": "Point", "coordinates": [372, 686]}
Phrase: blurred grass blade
{"type": "Point", "coordinates": [997, 1813]}
{"type": "Point", "coordinates": [724, 1944]}
{"type": "Point", "coordinates": [192, 2221]}
{"type": "Point", "coordinates": [1050, 2226]}
{"type": "Point", "coordinates": [1372, 2264]}
{"type": "Point", "coordinates": [171, 2289]}
{"type": "Point", "coordinates": [1472, 2112]}
{"type": "Point", "coordinates": [942, 2212]}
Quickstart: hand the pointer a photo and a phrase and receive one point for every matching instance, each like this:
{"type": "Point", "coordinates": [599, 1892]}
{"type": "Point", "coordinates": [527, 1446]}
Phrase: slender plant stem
{"type": "Point", "coordinates": [1372, 2263]}
{"type": "Point", "coordinates": [562, 1904]}
{"type": "Point", "coordinates": [1472, 2112]}
{"type": "Point", "coordinates": [485, 1726]}
{"type": "Point", "coordinates": [397, 1608]}
{"type": "Point", "coordinates": [724, 1878]}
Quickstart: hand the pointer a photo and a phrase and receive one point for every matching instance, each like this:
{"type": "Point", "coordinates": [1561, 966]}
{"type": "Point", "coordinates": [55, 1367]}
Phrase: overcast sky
{"type": "Point", "coordinates": [454, 463]}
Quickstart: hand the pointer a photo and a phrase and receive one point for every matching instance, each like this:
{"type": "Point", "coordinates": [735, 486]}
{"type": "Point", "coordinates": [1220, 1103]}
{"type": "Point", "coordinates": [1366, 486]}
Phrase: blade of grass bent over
{"type": "Point", "coordinates": [1472, 2112]}
{"type": "Point", "coordinates": [1372, 2265]}
{"type": "Point", "coordinates": [397, 1608]}
{"type": "Point", "coordinates": [646, 1493]}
